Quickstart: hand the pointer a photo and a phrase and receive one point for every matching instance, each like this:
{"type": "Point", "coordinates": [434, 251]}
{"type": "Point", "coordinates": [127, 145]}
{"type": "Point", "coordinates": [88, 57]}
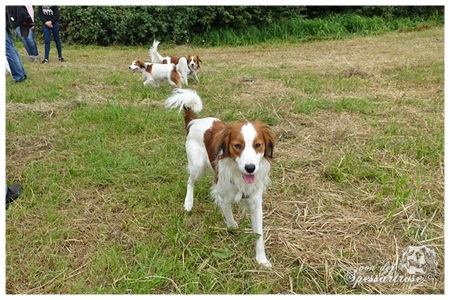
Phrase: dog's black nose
{"type": "Point", "coordinates": [250, 168]}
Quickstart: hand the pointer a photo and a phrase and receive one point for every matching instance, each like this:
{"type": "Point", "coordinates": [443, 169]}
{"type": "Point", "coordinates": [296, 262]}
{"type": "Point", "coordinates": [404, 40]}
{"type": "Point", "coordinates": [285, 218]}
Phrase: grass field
{"type": "Point", "coordinates": [358, 173]}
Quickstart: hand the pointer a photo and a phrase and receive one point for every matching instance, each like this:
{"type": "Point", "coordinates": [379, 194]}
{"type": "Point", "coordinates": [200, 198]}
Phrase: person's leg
{"type": "Point", "coordinates": [14, 61]}
{"type": "Point", "coordinates": [47, 39]}
{"type": "Point", "coordinates": [24, 41]}
{"type": "Point", "coordinates": [32, 45]}
{"type": "Point", "coordinates": [57, 39]}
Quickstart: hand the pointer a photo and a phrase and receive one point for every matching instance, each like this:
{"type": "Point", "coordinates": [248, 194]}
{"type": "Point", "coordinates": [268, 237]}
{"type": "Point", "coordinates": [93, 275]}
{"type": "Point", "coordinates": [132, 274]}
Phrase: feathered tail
{"type": "Point", "coordinates": [153, 52]}
{"type": "Point", "coordinates": [185, 99]}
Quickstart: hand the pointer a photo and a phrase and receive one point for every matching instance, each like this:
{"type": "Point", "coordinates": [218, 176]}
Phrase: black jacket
{"type": "Point", "coordinates": [18, 16]}
{"type": "Point", "coordinates": [48, 13]}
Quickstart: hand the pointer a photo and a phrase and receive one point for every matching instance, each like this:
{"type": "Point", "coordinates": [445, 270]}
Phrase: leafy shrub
{"type": "Point", "coordinates": [231, 25]}
{"type": "Point", "coordinates": [105, 25]}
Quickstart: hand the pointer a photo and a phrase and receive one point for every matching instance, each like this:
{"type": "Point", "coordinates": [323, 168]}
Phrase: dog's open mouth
{"type": "Point", "coordinates": [194, 67]}
{"type": "Point", "coordinates": [133, 70]}
{"type": "Point", "coordinates": [248, 178]}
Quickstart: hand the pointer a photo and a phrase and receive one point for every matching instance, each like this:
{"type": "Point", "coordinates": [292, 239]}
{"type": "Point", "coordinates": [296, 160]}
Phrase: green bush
{"type": "Point", "coordinates": [232, 25]}
{"type": "Point", "coordinates": [106, 25]}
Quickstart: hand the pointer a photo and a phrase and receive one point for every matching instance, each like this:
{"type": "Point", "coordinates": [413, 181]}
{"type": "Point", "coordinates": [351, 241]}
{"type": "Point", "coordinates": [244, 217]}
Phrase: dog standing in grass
{"type": "Point", "coordinates": [238, 153]}
{"type": "Point", "coordinates": [185, 65]}
{"type": "Point", "coordinates": [155, 74]}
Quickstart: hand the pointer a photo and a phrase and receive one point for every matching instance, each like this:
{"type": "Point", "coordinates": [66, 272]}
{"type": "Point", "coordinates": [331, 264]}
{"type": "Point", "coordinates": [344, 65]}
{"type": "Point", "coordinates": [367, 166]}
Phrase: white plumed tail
{"type": "Point", "coordinates": [184, 98]}
{"type": "Point", "coordinates": [153, 52]}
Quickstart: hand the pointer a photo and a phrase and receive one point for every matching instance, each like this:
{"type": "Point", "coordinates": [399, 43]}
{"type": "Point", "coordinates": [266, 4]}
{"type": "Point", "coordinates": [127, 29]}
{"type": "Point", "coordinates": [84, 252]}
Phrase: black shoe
{"type": "Point", "coordinates": [61, 59]}
{"type": "Point", "coordinates": [12, 194]}
{"type": "Point", "coordinates": [22, 79]}
{"type": "Point", "coordinates": [45, 61]}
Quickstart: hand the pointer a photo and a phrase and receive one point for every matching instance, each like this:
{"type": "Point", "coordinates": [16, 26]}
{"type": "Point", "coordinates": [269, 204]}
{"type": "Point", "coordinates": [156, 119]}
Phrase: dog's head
{"type": "Point", "coordinates": [193, 62]}
{"type": "Point", "coordinates": [247, 144]}
{"type": "Point", "coordinates": [139, 65]}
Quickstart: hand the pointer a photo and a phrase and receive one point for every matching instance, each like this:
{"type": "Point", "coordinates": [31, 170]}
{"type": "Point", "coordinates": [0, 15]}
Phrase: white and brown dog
{"type": "Point", "coordinates": [155, 74]}
{"type": "Point", "coordinates": [238, 153]}
{"type": "Point", "coordinates": [186, 65]}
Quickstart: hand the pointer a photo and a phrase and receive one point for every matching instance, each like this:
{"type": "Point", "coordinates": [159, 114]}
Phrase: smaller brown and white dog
{"type": "Point", "coordinates": [186, 65]}
{"type": "Point", "coordinates": [155, 74]}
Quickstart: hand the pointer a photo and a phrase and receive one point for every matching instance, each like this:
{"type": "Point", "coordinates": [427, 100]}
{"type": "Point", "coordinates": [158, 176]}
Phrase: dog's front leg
{"type": "Point", "coordinates": [256, 216]}
{"type": "Point", "coordinates": [225, 205]}
{"type": "Point", "coordinates": [151, 82]}
{"type": "Point", "coordinates": [195, 77]}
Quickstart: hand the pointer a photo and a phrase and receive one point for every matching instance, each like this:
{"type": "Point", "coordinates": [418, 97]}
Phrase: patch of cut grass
{"type": "Point", "coordinates": [311, 105]}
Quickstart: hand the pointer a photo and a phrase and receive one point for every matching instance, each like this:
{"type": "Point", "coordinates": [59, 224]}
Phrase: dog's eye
{"type": "Point", "coordinates": [238, 146]}
{"type": "Point", "coordinates": [257, 145]}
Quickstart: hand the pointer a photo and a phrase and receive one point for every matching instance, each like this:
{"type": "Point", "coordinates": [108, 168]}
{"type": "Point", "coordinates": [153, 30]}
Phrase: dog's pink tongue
{"type": "Point", "coordinates": [248, 178]}
{"type": "Point", "coordinates": [194, 68]}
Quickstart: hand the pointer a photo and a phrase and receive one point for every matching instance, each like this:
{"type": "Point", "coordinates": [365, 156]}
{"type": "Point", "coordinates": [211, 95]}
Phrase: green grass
{"type": "Point", "coordinates": [333, 27]}
{"type": "Point", "coordinates": [357, 175]}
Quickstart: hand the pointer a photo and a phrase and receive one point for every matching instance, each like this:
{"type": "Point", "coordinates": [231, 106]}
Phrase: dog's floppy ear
{"type": "Point", "coordinates": [221, 142]}
{"type": "Point", "coordinates": [269, 140]}
{"type": "Point", "coordinates": [140, 64]}
{"type": "Point", "coordinates": [199, 60]}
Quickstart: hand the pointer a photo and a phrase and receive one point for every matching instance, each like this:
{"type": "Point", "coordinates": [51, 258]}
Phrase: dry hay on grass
{"type": "Point", "coordinates": [323, 228]}
{"type": "Point", "coordinates": [375, 58]}
{"type": "Point", "coordinates": [252, 90]}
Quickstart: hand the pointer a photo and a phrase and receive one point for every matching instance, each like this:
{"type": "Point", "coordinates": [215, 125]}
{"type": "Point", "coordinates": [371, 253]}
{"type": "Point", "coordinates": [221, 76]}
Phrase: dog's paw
{"type": "Point", "coordinates": [264, 263]}
{"type": "Point", "coordinates": [232, 225]}
{"type": "Point", "coordinates": [188, 206]}
{"type": "Point", "coordinates": [188, 202]}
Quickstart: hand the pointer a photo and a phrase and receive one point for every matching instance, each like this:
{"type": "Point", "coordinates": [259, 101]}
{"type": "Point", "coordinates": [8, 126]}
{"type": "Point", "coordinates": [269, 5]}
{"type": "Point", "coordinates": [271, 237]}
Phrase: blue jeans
{"type": "Point", "coordinates": [13, 57]}
{"type": "Point", "coordinates": [28, 42]}
{"type": "Point", "coordinates": [47, 39]}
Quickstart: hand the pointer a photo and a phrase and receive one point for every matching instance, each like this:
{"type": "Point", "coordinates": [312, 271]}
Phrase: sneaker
{"type": "Point", "coordinates": [22, 79]}
{"type": "Point", "coordinates": [61, 59]}
{"type": "Point", "coordinates": [45, 61]}
{"type": "Point", "coordinates": [12, 193]}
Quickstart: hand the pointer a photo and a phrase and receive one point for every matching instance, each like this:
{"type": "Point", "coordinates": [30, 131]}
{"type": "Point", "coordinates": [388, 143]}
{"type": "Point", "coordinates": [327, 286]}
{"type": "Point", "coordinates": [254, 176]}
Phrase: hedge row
{"type": "Point", "coordinates": [139, 25]}
{"type": "Point", "coordinates": [131, 25]}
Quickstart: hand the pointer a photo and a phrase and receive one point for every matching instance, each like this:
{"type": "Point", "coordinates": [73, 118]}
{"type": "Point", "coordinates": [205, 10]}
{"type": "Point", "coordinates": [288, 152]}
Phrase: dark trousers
{"type": "Point", "coordinates": [47, 39]}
